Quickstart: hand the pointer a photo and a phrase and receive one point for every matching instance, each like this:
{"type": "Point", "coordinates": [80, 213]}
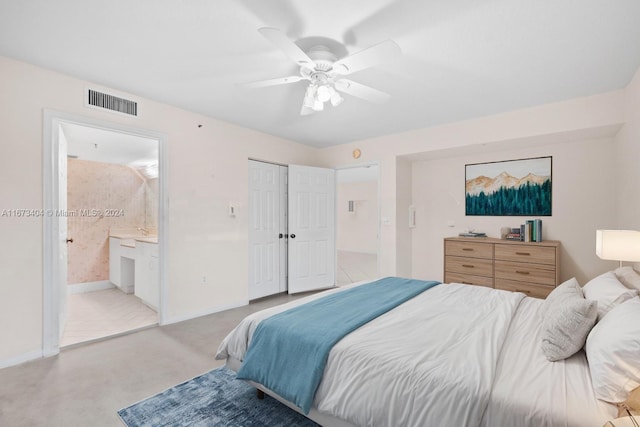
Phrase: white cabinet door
{"type": "Point", "coordinates": [147, 274]}
{"type": "Point", "coordinates": [114, 261]}
{"type": "Point", "coordinates": [154, 282]}
{"type": "Point", "coordinates": [311, 228]}
{"type": "Point", "coordinates": [141, 288]}
{"type": "Point", "coordinates": [264, 229]}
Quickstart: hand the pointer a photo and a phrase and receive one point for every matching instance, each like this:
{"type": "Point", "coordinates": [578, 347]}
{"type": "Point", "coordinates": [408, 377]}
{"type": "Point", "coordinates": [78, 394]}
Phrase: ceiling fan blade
{"type": "Point", "coordinates": [291, 49]}
{"type": "Point", "coordinates": [381, 52]}
{"type": "Point", "coordinates": [273, 82]}
{"type": "Point", "coordinates": [361, 91]}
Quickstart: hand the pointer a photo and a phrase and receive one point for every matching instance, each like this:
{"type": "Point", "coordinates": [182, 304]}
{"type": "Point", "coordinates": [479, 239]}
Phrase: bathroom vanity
{"type": "Point", "coordinates": [133, 266]}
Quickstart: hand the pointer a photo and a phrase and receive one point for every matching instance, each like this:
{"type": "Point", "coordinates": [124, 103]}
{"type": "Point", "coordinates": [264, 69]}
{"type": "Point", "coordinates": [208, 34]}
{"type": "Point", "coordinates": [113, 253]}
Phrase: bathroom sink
{"type": "Point", "coordinates": [148, 239]}
{"type": "Point", "coordinates": [130, 243]}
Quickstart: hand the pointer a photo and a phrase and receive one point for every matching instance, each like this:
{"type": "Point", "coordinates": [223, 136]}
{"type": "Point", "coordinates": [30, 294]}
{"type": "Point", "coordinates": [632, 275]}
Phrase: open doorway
{"type": "Point", "coordinates": [357, 224]}
{"type": "Point", "coordinates": [105, 207]}
{"type": "Point", "coordinates": [112, 229]}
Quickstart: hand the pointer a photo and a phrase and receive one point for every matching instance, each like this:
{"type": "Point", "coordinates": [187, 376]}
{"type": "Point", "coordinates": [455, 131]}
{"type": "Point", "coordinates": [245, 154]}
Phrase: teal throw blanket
{"type": "Point", "coordinates": [289, 350]}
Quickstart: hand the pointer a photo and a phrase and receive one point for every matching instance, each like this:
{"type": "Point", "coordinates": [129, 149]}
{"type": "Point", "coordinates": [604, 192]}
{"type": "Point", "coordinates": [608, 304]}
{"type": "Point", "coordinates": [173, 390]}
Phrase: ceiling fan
{"type": "Point", "coordinates": [325, 72]}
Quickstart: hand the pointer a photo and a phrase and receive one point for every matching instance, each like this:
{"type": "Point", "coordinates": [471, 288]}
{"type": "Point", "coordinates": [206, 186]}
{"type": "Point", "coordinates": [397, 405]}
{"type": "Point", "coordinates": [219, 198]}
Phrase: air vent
{"type": "Point", "coordinates": [113, 103]}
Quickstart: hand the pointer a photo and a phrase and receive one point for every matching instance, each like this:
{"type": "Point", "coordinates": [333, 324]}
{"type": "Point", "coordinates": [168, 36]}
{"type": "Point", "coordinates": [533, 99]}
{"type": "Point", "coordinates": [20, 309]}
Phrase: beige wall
{"type": "Point", "coordinates": [207, 168]}
{"type": "Point", "coordinates": [582, 201]}
{"type": "Point", "coordinates": [580, 119]}
{"type": "Point", "coordinates": [104, 187]}
{"type": "Point", "coordinates": [357, 231]}
{"type": "Point", "coordinates": [627, 161]}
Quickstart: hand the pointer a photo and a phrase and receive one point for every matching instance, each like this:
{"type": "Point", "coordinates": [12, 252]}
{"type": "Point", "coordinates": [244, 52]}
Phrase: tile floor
{"type": "Point", "coordinates": [99, 314]}
{"type": "Point", "coordinates": [356, 266]}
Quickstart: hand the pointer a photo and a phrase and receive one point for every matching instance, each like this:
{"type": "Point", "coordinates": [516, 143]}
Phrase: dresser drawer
{"type": "Point", "coordinates": [526, 253]}
{"type": "Point", "coordinates": [469, 249]}
{"type": "Point", "coordinates": [468, 279]}
{"type": "Point", "coordinates": [474, 266]}
{"type": "Point", "coordinates": [529, 289]}
{"type": "Point", "coordinates": [533, 273]}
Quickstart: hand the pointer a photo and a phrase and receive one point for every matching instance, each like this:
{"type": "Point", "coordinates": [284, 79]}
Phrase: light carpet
{"type": "Point", "coordinates": [212, 399]}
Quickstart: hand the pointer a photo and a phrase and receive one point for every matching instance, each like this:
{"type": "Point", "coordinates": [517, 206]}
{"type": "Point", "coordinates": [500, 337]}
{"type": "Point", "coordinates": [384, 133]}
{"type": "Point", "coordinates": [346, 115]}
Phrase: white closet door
{"type": "Point", "coordinates": [311, 228]}
{"type": "Point", "coordinates": [284, 182]}
{"type": "Point", "coordinates": [264, 229]}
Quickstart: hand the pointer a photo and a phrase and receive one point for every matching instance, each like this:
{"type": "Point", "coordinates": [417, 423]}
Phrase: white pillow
{"type": "Point", "coordinates": [608, 291]}
{"type": "Point", "coordinates": [569, 288]}
{"type": "Point", "coordinates": [613, 351]}
{"type": "Point", "coordinates": [568, 319]}
{"type": "Point", "coordinates": [629, 277]}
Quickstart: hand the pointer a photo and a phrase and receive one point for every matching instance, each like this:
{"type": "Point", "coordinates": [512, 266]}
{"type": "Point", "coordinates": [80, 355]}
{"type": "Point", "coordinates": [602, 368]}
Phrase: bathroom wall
{"type": "Point", "coordinates": [151, 203]}
{"type": "Point", "coordinates": [100, 196]}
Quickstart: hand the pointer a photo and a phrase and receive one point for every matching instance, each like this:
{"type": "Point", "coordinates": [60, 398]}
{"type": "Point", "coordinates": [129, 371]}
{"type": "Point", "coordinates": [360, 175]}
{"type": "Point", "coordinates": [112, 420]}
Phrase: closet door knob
{"type": "Point", "coordinates": [70, 240]}
{"type": "Point", "coordinates": [280, 236]}
{"type": "Point", "coordinates": [293, 236]}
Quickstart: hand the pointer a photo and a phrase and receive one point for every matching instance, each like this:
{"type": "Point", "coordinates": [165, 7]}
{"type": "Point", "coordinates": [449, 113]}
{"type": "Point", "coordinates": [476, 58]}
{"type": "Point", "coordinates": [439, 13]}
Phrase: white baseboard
{"type": "Point", "coordinates": [356, 252]}
{"type": "Point", "coordinates": [80, 288]}
{"type": "Point", "coordinates": [211, 310]}
{"type": "Point", "coordinates": [22, 358]}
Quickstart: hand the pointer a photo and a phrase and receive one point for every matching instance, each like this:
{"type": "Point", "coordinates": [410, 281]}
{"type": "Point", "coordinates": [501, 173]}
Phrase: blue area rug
{"type": "Point", "coordinates": [212, 399]}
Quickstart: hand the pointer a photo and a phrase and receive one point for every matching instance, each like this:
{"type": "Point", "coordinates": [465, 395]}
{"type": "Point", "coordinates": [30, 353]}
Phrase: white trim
{"type": "Point", "coordinates": [22, 358]}
{"type": "Point", "coordinates": [81, 288]}
{"type": "Point", "coordinates": [51, 122]}
{"type": "Point", "coordinates": [50, 315]}
{"type": "Point", "coordinates": [205, 312]}
{"type": "Point", "coordinates": [355, 252]}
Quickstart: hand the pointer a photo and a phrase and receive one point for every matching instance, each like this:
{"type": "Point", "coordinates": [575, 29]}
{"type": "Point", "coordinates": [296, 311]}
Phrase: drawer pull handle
{"type": "Point", "coordinates": [467, 283]}
{"type": "Point", "coordinates": [522, 272]}
{"type": "Point", "coordinates": [467, 249]}
{"type": "Point", "coordinates": [523, 253]}
{"type": "Point", "coordinates": [468, 265]}
{"type": "Point", "coordinates": [523, 291]}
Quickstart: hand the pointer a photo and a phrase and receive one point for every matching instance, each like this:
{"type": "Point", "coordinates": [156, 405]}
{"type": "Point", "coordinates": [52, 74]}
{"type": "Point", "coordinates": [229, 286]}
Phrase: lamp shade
{"type": "Point", "coordinates": [619, 245]}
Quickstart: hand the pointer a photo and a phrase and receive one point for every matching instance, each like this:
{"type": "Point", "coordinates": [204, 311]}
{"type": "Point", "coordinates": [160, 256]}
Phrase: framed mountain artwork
{"type": "Point", "coordinates": [509, 188]}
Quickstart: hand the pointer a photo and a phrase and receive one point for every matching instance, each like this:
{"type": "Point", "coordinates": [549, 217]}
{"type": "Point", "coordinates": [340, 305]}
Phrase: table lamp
{"type": "Point", "coordinates": [618, 245]}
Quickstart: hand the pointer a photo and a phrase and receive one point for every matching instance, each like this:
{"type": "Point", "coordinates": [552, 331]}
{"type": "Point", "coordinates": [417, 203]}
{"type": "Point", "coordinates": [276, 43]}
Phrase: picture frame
{"type": "Point", "coordinates": [509, 188]}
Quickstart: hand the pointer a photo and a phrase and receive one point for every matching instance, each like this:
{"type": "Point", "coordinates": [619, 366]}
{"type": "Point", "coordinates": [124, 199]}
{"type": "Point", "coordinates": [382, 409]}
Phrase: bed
{"type": "Point", "coordinates": [454, 355]}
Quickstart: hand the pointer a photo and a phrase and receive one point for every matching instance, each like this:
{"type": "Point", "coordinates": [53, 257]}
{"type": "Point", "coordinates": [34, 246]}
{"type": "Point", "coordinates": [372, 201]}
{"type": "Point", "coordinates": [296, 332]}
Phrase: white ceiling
{"type": "Point", "coordinates": [100, 145]}
{"type": "Point", "coordinates": [461, 58]}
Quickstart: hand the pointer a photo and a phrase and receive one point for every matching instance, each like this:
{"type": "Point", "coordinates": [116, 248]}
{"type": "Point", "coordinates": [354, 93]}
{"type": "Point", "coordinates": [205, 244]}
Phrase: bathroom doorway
{"type": "Point", "coordinates": [357, 223]}
{"type": "Point", "coordinates": [106, 226]}
{"type": "Point", "coordinates": [112, 211]}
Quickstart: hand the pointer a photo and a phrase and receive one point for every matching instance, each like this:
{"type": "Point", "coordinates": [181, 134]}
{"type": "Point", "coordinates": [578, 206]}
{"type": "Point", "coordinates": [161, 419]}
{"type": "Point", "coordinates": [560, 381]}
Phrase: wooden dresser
{"type": "Point", "coordinates": [532, 268]}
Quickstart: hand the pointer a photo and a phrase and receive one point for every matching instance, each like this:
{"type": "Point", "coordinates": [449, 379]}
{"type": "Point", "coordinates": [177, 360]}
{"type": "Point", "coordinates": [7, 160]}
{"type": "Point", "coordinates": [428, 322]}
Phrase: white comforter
{"type": "Point", "coordinates": [433, 361]}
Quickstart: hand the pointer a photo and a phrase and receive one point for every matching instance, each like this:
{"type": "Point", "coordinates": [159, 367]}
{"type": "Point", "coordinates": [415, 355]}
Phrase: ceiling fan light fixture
{"type": "Point", "coordinates": [320, 67]}
{"type": "Point", "coordinates": [318, 105]}
{"type": "Point", "coordinates": [324, 93]}
{"type": "Point", "coordinates": [336, 99]}
{"type": "Point", "coordinates": [310, 97]}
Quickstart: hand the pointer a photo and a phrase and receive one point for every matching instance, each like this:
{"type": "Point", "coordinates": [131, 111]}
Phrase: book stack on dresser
{"type": "Point", "coordinates": [528, 267]}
